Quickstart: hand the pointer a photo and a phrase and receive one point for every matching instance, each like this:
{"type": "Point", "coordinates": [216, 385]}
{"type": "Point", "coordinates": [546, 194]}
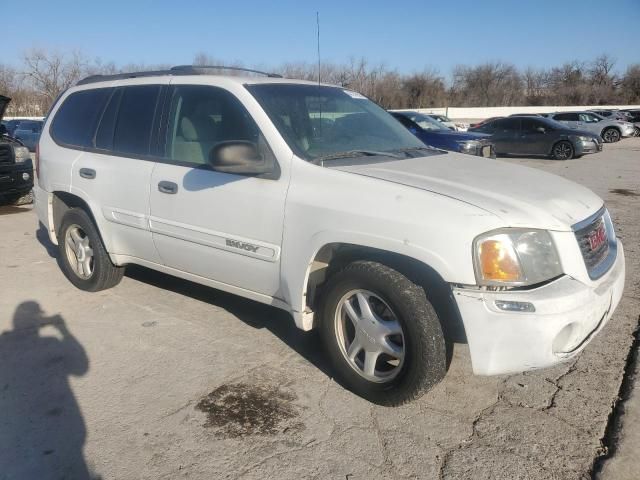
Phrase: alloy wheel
{"type": "Point", "coordinates": [562, 151]}
{"type": "Point", "coordinates": [370, 336]}
{"type": "Point", "coordinates": [79, 252]}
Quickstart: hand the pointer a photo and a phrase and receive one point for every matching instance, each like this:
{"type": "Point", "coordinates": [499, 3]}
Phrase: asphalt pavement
{"type": "Point", "coordinates": [160, 378]}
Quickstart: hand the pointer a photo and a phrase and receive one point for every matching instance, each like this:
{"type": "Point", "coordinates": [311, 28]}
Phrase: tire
{"type": "Point", "coordinates": [97, 272]}
{"type": "Point", "coordinates": [611, 135]}
{"type": "Point", "coordinates": [636, 131]}
{"type": "Point", "coordinates": [401, 303]}
{"type": "Point", "coordinates": [563, 150]}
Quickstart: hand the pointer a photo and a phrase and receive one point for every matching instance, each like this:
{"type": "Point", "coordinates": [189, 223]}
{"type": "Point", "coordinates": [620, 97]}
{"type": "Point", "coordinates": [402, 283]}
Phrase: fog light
{"type": "Point", "coordinates": [26, 176]}
{"type": "Point", "coordinates": [567, 339]}
{"type": "Point", "coordinates": [509, 306]}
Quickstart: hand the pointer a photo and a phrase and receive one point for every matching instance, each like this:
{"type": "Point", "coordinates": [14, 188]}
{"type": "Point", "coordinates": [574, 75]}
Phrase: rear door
{"type": "Point", "coordinates": [534, 137]}
{"type": "Point", "coordinates": [505, 134]}
{"type": "Point", "coordinates": [570, 119]}
{"type": "Point", "coordinates": [221, 226]}
{"type": "Point", "coordinates": [116, 171]}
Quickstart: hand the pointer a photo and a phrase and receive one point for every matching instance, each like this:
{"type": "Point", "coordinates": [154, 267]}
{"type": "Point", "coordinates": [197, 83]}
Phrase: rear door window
{"type": "Point", "coordinates": [76, 120]}
{"type": "Point", "coordinates": [507, 124]}
{"type": "Point", "coordinates": [134, 123]}
{"type": "Point", "coordinates": [566, 117]}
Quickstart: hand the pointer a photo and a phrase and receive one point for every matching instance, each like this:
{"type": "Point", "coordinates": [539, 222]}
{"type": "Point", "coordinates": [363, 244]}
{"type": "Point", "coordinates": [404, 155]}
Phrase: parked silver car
{"type": "Point", "coordinates": [610, 130]}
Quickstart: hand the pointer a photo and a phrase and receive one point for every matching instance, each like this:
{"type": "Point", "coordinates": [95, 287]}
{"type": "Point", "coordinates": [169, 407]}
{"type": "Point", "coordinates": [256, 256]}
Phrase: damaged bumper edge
{"type": "Point", "coordinates": [568, 314]}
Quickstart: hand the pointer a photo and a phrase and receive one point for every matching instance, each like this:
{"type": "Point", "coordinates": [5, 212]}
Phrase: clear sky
{"type": "Point", "coordinates": [404, 35]}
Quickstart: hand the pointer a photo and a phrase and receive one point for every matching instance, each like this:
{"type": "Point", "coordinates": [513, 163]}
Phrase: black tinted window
{"type": "Point", "coordinates": [566, 117]}
{"type": "Point", "coordinates": [75, 121]}
{"type": "Point", "coordinates": [135, 119]}
{"type": "Point", "coordinates": [201, 117]}
{"type": "Point", "coordinates": [104, 135]}
{"type": "Point", "coordinates": [532, 125]}
{"type": "Point", "coordinates": [506, 124]}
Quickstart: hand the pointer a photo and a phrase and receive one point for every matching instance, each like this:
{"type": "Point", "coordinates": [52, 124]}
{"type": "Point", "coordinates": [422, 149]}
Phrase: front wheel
{"type": "Point", "coordinates": [382, 336]}
{"type": "Point", "coordinates": [562, 151]}
{"type": "Point", "coordinates": [611, 135]}
{"type": "Point", "coordinates": [83, 258]}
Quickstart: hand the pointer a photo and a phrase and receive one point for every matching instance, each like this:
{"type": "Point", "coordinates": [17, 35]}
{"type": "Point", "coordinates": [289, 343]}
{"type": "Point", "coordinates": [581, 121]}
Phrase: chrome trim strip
{"type": "Point", "coordinates": [589, 220]}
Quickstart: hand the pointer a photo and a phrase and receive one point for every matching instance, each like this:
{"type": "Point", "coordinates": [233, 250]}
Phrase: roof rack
{"type": "Point", "coordinates": [194, 68]}
{"type": "Point", "coordinates": [177, 70]}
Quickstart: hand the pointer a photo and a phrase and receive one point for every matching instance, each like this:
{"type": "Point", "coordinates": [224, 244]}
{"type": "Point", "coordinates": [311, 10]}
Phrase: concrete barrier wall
{"type": "Point", "coordinates": [479, 113]}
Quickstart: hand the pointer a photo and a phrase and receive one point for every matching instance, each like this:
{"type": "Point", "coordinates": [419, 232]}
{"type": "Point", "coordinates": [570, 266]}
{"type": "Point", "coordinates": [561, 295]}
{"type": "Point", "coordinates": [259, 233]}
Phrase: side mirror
{"type": "Point", "coordinates": [239, 157]}
{"type": "Point", "coordinates": [540, 129]}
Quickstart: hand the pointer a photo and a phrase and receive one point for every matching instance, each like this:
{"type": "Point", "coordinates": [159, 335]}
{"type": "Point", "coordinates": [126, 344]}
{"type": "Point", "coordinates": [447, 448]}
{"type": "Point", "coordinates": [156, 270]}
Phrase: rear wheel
{"type": "Point", "coordinates": [611, 135]}
{"type": "Point", "coordinates": [562, 150]}
{"type": "Point", "coordinates": [83, 258]}
{"type": "Point", "coordinates": [382, 336]}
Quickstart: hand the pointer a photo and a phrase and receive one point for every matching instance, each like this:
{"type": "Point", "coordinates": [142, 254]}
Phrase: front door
{"type": "Point", "coordinates": [220, 226]}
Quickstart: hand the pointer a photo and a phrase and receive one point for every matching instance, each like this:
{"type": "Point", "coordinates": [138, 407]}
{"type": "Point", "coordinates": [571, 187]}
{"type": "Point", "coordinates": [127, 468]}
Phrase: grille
{"type": "Point", "coordinates": [593, 258]}
{"type": "Point", "coordinates": [6, 154]}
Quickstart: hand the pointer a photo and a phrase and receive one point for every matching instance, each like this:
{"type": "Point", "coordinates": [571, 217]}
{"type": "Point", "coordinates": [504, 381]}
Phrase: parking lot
{"type": "Point", "coordinates": [162, 378]}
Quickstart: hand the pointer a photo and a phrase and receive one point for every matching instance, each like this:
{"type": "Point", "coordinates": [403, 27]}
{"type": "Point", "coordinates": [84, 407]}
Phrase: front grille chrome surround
{"type": "Point", "coordinates": [600, 260]}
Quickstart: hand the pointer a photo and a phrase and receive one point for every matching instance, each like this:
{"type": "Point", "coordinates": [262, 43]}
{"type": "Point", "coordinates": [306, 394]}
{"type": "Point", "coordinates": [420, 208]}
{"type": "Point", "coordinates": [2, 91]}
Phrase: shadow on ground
{"type": "Point", "coordinates": [42, 431]}
{"type": "Point", "coordinates": [254, 314]}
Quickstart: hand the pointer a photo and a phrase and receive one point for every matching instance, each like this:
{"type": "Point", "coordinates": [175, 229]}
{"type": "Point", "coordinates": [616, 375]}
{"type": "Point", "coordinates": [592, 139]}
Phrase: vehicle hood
{"type": "Point", "coordinates": [520, 196]}
{"type": "Point", "coordinates": [4, 101]}
{"type": "Point", "coordinates": [458, 135]}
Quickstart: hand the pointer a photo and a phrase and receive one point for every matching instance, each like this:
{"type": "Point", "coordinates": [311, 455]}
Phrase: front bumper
{"type": "Point", "coordinates": [12, 179]}
{"type": "Point", "coordinates": [588, 147]}
{"type": "Point", "coordinates": [628, 131]}
{"type": "Point", "coordinates": [568, 314]}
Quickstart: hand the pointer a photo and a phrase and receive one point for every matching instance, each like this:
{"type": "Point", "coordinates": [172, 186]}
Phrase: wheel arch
{"type": "Point", "coordinates": [64, 201]}
{"type": "Point", "coordinates": [608, 127]}
{"type": "Point", "coordinates": [333, 256]}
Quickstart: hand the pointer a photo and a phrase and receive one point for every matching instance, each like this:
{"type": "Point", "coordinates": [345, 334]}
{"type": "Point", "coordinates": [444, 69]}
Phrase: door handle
{"type": "Point", "coordinates": [88, 173]}
{"type": "Point", "coordinates": [167, 187]}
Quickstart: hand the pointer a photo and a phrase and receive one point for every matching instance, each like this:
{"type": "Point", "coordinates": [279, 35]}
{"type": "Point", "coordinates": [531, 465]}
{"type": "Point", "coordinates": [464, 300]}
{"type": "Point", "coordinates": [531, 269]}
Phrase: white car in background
{"type": "Point", "coordinates": [458, 127]}
{"type": "Point", "coordinates": [313, 199]}
{"type": "Point", "coordinates": [611, 131]}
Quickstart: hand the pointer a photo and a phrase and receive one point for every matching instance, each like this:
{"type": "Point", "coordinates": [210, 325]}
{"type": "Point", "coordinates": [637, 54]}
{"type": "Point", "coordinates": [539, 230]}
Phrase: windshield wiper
{"type": "Point", "coordinates": [354, 153]}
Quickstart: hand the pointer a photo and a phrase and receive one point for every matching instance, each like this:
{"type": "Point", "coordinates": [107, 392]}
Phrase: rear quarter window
{"type": "Point", "coordinates": [76, 120]}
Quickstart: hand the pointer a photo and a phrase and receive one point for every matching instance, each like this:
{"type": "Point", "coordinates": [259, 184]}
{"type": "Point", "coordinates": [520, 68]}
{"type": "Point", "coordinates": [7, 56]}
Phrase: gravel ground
{"type": "Point", "coordinates": [161, 378]}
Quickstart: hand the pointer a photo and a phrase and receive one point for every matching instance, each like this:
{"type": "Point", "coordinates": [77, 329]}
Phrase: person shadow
{"type": "Point", "coordinates": [42, 432]}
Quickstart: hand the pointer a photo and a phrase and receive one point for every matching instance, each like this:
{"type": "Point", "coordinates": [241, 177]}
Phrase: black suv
{"type": "Point", "coordinates": [16, 167]}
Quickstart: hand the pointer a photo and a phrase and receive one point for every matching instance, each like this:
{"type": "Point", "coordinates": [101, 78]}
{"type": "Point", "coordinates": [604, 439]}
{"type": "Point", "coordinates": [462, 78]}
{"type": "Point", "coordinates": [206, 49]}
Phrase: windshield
{"type": "Point", "coordinates": [320, 121]}
{"type": "Point", "coordinates": [427, 123]}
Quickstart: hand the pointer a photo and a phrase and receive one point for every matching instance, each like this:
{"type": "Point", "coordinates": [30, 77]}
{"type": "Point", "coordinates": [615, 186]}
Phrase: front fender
{"type": "Point", "coordinates": [296, 264]}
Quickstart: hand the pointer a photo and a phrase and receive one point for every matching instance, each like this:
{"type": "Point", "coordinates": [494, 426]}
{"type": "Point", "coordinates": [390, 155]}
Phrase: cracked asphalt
{"type": "Point", "coordinates": [161, 378]}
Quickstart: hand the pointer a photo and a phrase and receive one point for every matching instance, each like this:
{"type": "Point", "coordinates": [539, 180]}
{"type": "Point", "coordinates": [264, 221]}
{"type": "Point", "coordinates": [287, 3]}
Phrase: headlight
{"type": "Point", "coordinates": [21, 154]}
{"type": "Point", "coordinates": [467, 146]}
{"type": "Point", "coordinates": [586, 139]}
{"type": "Point", "coordinates": [515, 257]}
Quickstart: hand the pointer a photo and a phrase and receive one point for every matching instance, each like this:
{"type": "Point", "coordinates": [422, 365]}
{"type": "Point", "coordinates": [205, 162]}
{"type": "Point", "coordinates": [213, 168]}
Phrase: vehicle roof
{"type": "Point", "coordinates": [185, 79]}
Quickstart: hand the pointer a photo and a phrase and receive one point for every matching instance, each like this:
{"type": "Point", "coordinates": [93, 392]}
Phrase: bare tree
{"type": "Point", "coordinates": [50, 73]}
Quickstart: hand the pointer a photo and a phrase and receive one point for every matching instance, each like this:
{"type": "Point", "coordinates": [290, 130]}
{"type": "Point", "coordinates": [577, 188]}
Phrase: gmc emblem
{"type": "Point", "coordinates": [597, 238]}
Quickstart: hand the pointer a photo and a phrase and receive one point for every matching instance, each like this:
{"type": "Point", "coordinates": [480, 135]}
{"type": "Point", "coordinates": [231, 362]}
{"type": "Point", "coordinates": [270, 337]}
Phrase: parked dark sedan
{"type": "Point", "coordinates": [28, 132]}
{"type": "Point", "coordinates": [539, 136]}
{"type": "Point", "coordinates": [436, 134]}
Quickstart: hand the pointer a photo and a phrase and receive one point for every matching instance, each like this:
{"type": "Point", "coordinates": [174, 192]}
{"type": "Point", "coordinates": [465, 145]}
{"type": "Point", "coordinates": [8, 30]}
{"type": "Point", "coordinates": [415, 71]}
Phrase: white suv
{"type": "Point", "coordinates": [313, 199]}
